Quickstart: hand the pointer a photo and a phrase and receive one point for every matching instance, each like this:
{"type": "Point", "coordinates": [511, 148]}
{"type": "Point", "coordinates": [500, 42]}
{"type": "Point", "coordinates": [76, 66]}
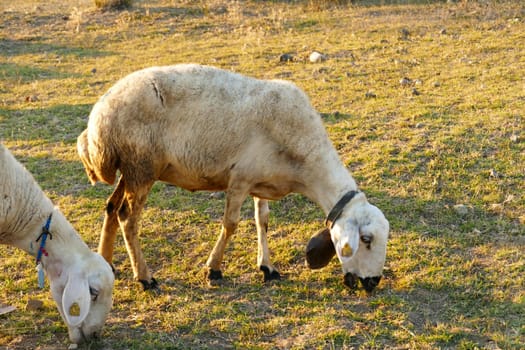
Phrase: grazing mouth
{"type": "Point", "coordinates": [368, 283]}
{"type": "Point", "coordinates": [83, 337]}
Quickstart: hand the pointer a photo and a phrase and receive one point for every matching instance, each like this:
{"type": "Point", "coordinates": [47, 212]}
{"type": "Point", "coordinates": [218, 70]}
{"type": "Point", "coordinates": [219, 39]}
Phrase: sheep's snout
{"type": "Point", "coordinates": [93, 336]}
{"type": "Point", "coordinates": [84, 333]}
{"type": "Point", "coordinates": [369, 283]}
{"type": "Point", "coordinates": [350, 280]}
{"type": "Point", "coordinates": [77, 335]}
{"type": "Point", "coordinates": [89, 333]}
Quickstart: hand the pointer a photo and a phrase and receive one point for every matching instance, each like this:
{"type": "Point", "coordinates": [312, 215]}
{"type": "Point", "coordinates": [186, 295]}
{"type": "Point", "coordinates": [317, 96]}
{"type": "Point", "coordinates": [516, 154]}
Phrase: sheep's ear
{"type": "Point", "coordinates": [320, 249]}
{"type": "Point", "coordinates": [76, 299]}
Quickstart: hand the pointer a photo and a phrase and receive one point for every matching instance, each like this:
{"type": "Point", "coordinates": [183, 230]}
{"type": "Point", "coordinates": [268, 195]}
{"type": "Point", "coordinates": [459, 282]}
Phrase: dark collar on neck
{"type": "Point", "coordinates": [336, 211]}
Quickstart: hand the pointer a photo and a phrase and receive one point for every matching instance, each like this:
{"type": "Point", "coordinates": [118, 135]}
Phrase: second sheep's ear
{"type": "Point", "coordinates": [76, 300]}
{"type": "Point", "coordinates": [320, 249]}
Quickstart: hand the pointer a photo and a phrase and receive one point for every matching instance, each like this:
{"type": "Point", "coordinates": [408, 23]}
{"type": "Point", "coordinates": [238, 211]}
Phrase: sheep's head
{"type": "Point", "coordinates": [358, 237]}
{"type": "Point", "coordinates": [83, 293]}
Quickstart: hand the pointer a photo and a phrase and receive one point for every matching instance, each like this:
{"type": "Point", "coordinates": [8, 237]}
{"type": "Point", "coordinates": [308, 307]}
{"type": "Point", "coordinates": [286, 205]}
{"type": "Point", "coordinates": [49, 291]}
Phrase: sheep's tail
{"type": "Point", "coordinates": [100, 166]}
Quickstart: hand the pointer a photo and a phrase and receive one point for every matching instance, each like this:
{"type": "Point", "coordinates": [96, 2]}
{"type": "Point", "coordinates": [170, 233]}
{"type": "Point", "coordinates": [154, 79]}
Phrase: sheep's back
{"type": "Point", "coordinates": [202, 121]}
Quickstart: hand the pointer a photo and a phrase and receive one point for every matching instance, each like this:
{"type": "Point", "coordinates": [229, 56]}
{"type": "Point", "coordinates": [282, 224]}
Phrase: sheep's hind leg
{"type": "Point", "coordinates": [110, 227]}
{"type": "Point", "coordinates": [262, 212]}
{"type": "Point", "coordinates": [129, 215]}
{"type": "Point", "coordinates": [232, 213]}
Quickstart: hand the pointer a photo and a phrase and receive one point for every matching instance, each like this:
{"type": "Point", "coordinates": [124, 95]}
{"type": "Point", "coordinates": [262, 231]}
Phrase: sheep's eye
{"type": "Point", "coordinates": [367, 239]}
{"type": "Point", "coordinates": [94, 293]}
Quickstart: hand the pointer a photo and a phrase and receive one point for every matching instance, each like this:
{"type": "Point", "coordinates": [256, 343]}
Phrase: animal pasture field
{"type": "Point", "coordinates": [423, 100]}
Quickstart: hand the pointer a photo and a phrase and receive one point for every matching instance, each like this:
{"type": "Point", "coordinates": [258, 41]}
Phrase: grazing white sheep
{"type": "Point", "coordinates": [81, 281]}
{"type": "Point", "coordinates": [202, 128]}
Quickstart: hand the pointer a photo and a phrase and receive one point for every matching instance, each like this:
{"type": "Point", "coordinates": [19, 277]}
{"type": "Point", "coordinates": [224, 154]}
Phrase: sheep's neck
{"type": "Point", "coordinates": [328, 187]}
{"type": "Point", "coordinates": [62, 246]}
{"type": "Point", "coordinates": [28, 227]}
{"type": "Point", "coordinates": [24, 211]}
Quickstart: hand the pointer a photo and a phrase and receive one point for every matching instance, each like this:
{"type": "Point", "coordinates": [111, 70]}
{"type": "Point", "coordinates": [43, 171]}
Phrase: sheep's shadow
{"type": "Point", "coordinates": [54, 174]}
{"type": "Point", "coordinates": [334, 117]}
{"type": "Point", "coordinates": [26, 74]}
{"type": "Point", "coordinates": [11, 47]}
{"type": "Point", "coordinates": [56, 124]}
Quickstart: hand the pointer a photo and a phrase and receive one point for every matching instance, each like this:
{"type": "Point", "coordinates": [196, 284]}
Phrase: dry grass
{"type": "Point", "coordinates": [113, 4]}
{"type": "Point", "coordinates": [454, 134]}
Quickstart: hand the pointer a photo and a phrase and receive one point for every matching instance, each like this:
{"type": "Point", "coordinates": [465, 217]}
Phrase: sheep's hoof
{"type": "Point", "coordinates": [369, 283]}
{"type": "Point", "coordinates": [350, 280]}
{"type": "Point", "coordinates": [270, 276]}
{"type": "Point", "coordinates": [214, 278]}
{"type": "Point", "coordinates": [151, 285]}
{"type": "Point", "coordinates": [214, 275]}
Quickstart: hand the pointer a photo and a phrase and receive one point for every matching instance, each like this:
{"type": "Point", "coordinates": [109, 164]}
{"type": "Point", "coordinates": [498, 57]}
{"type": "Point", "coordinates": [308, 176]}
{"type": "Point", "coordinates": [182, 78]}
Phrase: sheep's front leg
{"type": "Point", "coordinates": [110, 227]}
{"type": "Point", "coordinates": [262, 212]}
{"type": "Point", "coordinates": [129, 215]}
{"type": "Point", "coordinates": [232, 213]}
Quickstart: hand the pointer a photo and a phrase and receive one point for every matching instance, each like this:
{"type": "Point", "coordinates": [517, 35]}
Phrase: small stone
{"type": "Point", "coordinates": [217, 195]}
{"type": "Point", "coordinates": [497, 207]}
{"type": "Point", "coordinates": [316, 57]}
{"type": "Point", "coordinates": [286, 57]}
{"type": "Point", "coordinates": [72, 346]}
{"type": "Point", "coordinates": [5, 309]}
{"type": "Point", "coordinates": [321, 70]}
{"type": "Point", "coordinates": [405, 81]}
{"type": "Point", "coordinates": [283, 75]}
{"type": "Point", "coordinates": [461, 209]}
{"type": "Point", "coordinates": [493, 173]}
{"type": "Point", "coordinates": [34, 305]}
{"type": "Point", "coordinates": [508, 199]}
{"type": "Point", "coordinates": [443, 31]}
{"type": "Point", "coordinates": [219, 10]}
{"type": "Point", "coordinates": [514, 138]}
{"type": "Point", "coordinates": [370, 94]}
{"type": "Point", "coordinates": [436, 84]}
{"type": "Point", "coordinates": [93, 71]}
{"type": "Point", "coordinates": [32, 98]}
{"type": "Point", "coordinates": [415, 92]}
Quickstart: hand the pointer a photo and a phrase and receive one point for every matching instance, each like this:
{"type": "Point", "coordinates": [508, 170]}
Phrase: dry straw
{"type": "Point", "coordinates": [113, 4]}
